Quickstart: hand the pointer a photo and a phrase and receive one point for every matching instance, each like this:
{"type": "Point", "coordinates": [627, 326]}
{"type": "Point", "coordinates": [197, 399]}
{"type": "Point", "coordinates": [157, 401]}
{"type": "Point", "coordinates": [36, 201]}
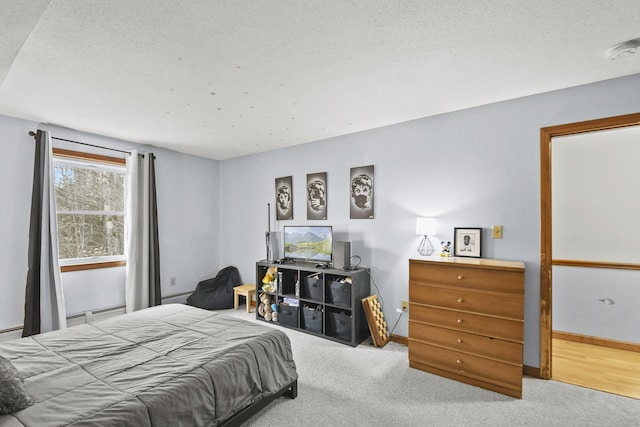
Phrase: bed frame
{"type": "Point", "coordinates": [290, 391]}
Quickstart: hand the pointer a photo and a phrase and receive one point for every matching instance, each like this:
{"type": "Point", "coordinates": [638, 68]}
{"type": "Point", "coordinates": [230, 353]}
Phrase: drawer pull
{"type": "Point", "coordinates": [460, 277]}
{"type": "Point", "coordinates": [460, 300]}
{"type": "Point", "coordinates": [458, 361]}
{"type": "Point", "coordinates": [459, 341]}
{"type": "Point", "coordinates": [459, 320]}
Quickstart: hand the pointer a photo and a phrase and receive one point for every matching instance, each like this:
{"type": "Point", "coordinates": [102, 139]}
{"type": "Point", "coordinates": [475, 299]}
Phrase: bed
{"type": "Point", "coordinates": [170, 365]}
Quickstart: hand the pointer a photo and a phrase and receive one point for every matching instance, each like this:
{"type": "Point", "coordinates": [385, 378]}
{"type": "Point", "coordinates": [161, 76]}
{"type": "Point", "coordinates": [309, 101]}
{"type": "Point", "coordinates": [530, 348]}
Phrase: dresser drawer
{"type": "Point", "coordinates": [468, 277]}
{"type": "Point", "coordinates": [465, 364]}
{"type": "Point", "coordinates": [466, 322]}
{"type": "Point", "coordinates": [507, 351]}
{"type": "Point", "coordinates": [506, 305]}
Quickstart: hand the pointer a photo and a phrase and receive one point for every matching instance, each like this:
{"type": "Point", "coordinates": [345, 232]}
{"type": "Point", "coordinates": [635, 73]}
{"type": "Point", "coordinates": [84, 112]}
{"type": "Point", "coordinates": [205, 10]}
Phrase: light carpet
{"type": "Point", "coordinates": [368, 386]}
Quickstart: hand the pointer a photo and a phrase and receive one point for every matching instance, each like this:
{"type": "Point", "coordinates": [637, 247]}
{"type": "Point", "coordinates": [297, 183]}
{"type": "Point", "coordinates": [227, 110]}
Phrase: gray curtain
{"type": "Point", "coordinates": [142, 248]}
{"type": "Point", "coordinates": [44, 300]}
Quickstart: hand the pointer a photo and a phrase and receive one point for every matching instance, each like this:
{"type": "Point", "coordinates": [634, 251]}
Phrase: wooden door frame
{"type": "Point", "coordinates": [546, 135]}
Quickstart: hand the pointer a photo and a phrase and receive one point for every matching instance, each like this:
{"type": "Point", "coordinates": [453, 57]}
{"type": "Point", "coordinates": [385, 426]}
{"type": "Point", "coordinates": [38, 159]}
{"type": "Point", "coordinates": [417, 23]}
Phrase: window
{"type": "Point", "coordinates": [90, 199]}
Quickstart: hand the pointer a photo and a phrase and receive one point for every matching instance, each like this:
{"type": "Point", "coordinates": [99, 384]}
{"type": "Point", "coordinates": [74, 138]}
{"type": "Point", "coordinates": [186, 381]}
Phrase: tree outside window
{"type": "Point", "coordinates": [90, 198]}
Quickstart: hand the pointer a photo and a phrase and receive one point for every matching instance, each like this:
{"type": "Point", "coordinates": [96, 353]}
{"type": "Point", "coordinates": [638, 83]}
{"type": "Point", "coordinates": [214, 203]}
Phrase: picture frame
{"type": "Point", "coordinates": [284, 198]}
{"type": "Point", "coordinates": [317, 196]}
{"type": "Point", "coordinates": [361, 192]}
{"type": "Point", "coordinates": [467, 242]}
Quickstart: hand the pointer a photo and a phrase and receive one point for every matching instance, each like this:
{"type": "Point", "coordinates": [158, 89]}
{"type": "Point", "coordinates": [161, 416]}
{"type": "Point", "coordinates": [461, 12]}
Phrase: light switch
{"type": "Point", "coordinates": [497, 232]}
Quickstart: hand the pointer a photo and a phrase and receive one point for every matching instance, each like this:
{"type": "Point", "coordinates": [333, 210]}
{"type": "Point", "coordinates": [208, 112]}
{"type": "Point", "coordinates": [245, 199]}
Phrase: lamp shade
{"type": "Point", "coordinates": [426, 227]}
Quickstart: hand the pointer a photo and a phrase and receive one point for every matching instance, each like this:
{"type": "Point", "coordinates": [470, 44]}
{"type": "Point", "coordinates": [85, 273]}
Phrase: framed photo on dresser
{"type": "Point", "coordinates": [467, 242]}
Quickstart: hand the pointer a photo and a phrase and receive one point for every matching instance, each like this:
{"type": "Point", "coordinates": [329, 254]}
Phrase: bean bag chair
{"type": "Point", "coordinates": [216, 293]}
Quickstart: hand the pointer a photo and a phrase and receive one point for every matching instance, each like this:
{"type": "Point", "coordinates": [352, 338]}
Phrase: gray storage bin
{"type": "Point", "coordinates": [312, 288]}
{"type": "Point", "coordinates": [288, 315]}
{"type": "Point", "coordinates": [340, 293]}
{"type": "Point", "coordinates": [312, 319]}
{"type": "Point", "coordinates": [339, 325]}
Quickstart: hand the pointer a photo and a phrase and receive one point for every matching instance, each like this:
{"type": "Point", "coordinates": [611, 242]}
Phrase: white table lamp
{"type": "Point", "coordinates": [425, 227]}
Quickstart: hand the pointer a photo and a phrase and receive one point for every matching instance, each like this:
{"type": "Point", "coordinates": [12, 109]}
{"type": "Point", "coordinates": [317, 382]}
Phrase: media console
{"type": "Point", "coordinates": [321, 301]}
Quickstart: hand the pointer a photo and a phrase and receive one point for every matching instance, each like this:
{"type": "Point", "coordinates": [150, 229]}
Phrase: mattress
{"type": "Point", "coordinates": [170, 365]}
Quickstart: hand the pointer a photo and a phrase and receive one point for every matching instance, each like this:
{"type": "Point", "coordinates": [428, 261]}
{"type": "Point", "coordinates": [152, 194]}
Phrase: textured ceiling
{"type": "Point", "coordinates": [223, 79]}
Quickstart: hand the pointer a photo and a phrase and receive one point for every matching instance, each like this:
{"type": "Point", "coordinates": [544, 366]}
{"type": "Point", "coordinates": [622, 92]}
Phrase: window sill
{"type": "Point", "coordinates": [92, 266]}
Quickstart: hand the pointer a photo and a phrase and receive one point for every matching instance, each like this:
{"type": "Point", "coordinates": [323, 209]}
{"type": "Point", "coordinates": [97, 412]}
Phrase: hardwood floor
{"type": "Point", "coordinates": [601, 368]}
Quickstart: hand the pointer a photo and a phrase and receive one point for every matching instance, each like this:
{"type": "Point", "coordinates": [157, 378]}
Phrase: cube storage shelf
{"type": "Point", "coordinates": [329, 300]}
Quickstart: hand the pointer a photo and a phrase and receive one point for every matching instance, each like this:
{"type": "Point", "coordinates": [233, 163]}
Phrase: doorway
{"type": "Point", "coordinates": [549, 260]}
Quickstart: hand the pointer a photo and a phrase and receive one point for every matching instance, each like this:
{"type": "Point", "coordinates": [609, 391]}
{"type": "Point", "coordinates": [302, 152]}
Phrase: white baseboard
{"type": "Point", "coordinates": [10, 334]}
{"type": "Point", "coordinates": [176, 299]}
{"type": "Point", "coordinates": [92, 316]}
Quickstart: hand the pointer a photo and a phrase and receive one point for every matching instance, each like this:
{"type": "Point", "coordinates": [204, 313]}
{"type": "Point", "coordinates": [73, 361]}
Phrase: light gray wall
{"type": "Point", "coordinates": [471, 168]}
{"type": "Point", "coordinates": [595, 195]}
{"type": "Point", "coordinates": [16, 177]}
{"type": "Point", "coordinates": [597, 302]}
{"type": "Point", "coordinates": [188, 211]}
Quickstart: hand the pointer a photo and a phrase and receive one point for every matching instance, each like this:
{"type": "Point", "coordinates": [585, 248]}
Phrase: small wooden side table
{"type": "Point", "coordinates": [248, 291]}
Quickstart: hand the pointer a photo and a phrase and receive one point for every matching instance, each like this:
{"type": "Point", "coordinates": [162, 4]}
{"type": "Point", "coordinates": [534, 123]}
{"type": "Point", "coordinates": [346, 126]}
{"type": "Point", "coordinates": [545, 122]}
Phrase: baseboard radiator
{"type": "Point", "coordinates": [93, 315]}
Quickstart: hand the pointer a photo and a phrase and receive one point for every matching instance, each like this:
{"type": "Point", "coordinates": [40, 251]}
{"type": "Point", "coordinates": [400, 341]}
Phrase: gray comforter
{"type": "Point", "coordinates": [171, 365]}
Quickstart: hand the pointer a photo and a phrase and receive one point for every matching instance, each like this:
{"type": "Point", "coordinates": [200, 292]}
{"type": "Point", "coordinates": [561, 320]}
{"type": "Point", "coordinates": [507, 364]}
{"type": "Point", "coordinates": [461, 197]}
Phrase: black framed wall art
{"type": "Point", "coordinates": [361, 192]}
{"type": "Point", "coordinates": [284, 198]}
{"type": "Point", "coordinates": [467, 242]}
{"type": "Point", "coordinates": [317, 196]}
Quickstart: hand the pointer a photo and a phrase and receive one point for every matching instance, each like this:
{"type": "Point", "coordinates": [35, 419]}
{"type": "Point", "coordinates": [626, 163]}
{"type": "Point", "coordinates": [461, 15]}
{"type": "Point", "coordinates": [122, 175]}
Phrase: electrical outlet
{"type": "Point", "coordinates": [405, 305]}
{"type": "Point", "coordinates": [172, 281]}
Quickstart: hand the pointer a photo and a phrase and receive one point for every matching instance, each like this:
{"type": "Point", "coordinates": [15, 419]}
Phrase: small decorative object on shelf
{"type": "Point", "coordinates": [269, 278]}
{"type": "Point", "coordinates": [446, 249]}
{"type": "Point", "coordinates": [278, 282]}
{"type": "Point", "coordinates": [267, 309]}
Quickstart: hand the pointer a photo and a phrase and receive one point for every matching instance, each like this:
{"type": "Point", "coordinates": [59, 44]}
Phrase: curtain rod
{"type": "Point", "coordinates": [32, 133]}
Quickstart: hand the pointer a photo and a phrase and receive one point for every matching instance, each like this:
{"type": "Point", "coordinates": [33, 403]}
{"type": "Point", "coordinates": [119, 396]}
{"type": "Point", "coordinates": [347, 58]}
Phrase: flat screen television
{"type": "Point", "coordinates": [308, 243]}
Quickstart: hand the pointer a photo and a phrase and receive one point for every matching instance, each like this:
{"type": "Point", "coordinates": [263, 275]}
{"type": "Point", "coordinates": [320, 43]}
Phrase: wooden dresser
{"type": "Point", "coordinates": [466, 321]}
